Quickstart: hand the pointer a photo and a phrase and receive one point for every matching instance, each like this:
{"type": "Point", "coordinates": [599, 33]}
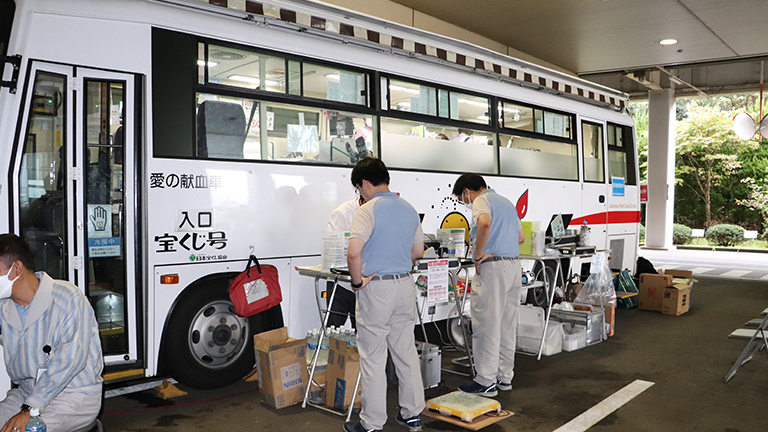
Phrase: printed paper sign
{"type": "Point", "coordinates": [255, 290]}
{"type": "Point", "coordinates": [99, 220]}
{"type": "Point", "coordinates": [104, 247]}
{"type": "Point", "coordinates": [334, 250]}
{"type": "Point", "coordinates": [437, 285]}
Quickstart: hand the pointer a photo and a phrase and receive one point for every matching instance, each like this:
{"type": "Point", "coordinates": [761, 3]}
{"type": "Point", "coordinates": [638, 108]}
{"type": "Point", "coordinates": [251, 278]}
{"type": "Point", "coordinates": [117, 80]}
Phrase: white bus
{"type": "Point", "coordinates": [148, 147]}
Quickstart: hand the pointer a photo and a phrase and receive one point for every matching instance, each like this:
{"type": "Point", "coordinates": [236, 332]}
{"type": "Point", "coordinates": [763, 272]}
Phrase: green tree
{"type": "Point", "coordinates": [707, 152]}
{"type": "Point", "coordinates": [639, 112]}
{"type": "Point", "coordinates": [758, 189]}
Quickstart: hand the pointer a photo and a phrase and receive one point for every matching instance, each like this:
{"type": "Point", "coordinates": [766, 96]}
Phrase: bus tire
{"type": "Point", "coordinates": [206, 345]}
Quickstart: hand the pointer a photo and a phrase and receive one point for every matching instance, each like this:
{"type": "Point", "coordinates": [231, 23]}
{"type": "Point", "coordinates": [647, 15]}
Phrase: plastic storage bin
{"type": "Point", "coordinates": [574, 337]}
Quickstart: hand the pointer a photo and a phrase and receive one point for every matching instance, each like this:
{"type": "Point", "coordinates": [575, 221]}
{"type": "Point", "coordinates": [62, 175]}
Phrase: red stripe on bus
{"type": "Point", "coordinates": [614, 217]}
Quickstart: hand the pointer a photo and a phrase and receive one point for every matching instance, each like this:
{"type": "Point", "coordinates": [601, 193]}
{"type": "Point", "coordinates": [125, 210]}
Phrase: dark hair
{"type": "Point", "coordinates": [466, 131]}
{"type": "Point", "coordinates": [371, 169]}
{"type": "Point", "coordinates": [469, 181]}
{"type": "Point", "coordinates": [13, 248]}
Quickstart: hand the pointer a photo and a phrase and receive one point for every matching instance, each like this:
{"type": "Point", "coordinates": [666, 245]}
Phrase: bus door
{"type": "Point", "coordinates": [76, 205]}
{"type": "Point", "coordinates": [594, 195]}
{"type": "Point", "coordinates": [105, 207]}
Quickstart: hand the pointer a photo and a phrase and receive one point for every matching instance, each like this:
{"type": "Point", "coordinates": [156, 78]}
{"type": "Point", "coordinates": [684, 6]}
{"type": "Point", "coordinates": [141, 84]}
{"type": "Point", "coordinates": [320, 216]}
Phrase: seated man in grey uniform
{"type": "Point", "coordinates": [386, 237]}
{"type": "Point", "coordinates": [52, 345]}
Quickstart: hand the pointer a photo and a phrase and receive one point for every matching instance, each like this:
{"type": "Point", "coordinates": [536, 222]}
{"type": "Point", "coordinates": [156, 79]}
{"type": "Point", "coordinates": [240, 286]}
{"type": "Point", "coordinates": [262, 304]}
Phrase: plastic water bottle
{"type": "Point", "coordinates": [324, 345]}
{"type": "Point", "coordinates": [584, 235]}
{"type": "Point", "coordinates": [35, 423]}
{"type": "Point", "coordinates": [311, 345]}
{"type": "Point", "coordinates": [352, 338]}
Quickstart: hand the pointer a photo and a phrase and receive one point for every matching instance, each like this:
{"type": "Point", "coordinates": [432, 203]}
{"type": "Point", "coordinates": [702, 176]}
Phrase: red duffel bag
{"type": "Point", "coordinates": [255, 290]}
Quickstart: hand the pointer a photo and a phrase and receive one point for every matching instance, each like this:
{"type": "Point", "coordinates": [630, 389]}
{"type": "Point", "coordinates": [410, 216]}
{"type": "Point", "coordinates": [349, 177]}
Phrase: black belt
{"type": "Point", "coordinates": [392, 276]}
{"type": "Point", "coordinates": [498, 258]}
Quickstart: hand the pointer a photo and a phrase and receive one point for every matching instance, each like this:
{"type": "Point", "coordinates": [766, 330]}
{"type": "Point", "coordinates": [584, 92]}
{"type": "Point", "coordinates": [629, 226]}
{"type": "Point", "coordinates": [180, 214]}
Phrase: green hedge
{"type": "Point", "coordinates": [725, 234]}
{"type": "Point", "coordinates": [681, 234]}
{"type": "Point", "coordinates": [642, 233]}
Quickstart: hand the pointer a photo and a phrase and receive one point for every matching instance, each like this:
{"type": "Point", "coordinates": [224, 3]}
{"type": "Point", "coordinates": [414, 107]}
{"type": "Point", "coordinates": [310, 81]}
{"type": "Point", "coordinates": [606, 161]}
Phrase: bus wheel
{"type": "Point", "coordinates": [207, 345]}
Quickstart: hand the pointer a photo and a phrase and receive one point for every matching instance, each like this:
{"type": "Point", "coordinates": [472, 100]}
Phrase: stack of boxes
{"type": "Point", "coordinates": [282, 369]}
{"type": "Point", "coordinates": [668, 292]}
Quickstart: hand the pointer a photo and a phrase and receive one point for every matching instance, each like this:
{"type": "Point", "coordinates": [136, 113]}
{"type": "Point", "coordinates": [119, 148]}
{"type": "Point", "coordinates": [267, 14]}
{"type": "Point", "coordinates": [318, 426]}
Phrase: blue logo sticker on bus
{"type": "Point", "coordinates": [618, 186]}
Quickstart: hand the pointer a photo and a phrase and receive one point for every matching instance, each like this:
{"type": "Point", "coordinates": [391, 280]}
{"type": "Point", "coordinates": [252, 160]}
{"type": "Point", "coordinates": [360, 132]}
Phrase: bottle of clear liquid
{"type": "Point", "coordinates": [311, 345]}
{"type": "Point", "coordinates": [35, 423]}
{"type": "Point", "coordinates": [352, 338]}
{"type": "Point", "coordinates": [584, 234]}
{"type": "Point", "coordinates": [324, 345]}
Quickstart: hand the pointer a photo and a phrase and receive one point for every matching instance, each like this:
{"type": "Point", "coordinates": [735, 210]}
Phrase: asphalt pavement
{"type": "Point", "coordinates": [722, 264]}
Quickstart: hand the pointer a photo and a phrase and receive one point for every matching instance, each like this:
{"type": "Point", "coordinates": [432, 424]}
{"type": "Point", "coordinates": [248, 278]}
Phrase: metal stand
{"type": "Point", "coordinates": [549, 288]}
{"type": "Point", "coordinates": [468, 360]}
{"type": "Point", "coordinates": [757, 343]}
{"type": "Point", "coordinates": [324, 314]}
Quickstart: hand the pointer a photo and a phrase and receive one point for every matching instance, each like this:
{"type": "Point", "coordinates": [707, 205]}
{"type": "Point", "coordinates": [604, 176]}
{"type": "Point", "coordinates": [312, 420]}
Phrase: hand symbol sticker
{"type": "Point", "coordinates": [99, 218]}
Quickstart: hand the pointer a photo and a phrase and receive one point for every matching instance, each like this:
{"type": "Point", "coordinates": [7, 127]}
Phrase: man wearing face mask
{"type": "Point", "coordinates": [52, 346]}
{"type": "Point", "coordinates": [495, 297]}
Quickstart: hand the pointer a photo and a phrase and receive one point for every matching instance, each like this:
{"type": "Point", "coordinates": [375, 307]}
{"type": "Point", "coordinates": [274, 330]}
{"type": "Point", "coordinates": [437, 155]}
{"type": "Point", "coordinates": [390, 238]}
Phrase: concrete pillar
{"type": "Point", "coordinates": [661, 169]}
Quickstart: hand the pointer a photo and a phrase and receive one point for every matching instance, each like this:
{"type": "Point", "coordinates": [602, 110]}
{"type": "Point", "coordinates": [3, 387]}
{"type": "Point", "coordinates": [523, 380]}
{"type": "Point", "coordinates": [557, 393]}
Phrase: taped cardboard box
{"type": "Point", "coordinates": [281, 366]}
{"type": "Point", "coordinates": [341, 375]}
{"type": "Point", "coordinates": [652, 286]}
{"type": "Point", "coordinates": [677, 299]}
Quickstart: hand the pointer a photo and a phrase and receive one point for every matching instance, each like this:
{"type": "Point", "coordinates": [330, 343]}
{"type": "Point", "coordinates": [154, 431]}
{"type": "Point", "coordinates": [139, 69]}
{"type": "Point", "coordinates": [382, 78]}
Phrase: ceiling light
{"type": "Point", "coordinates": [668, 41]}
{"type": "Point", "coordinates": [475, 103]}
{"type": "Point", "coordinates": [676, 80]}
{"type": "Point", "coordinates": [405, 89]}
{"type": "Point", "coordinates": [332, 76]}
{"type": "Point", "coordinates": [210, 63]}
{"type": "Point", "coordinates": [251, 80]}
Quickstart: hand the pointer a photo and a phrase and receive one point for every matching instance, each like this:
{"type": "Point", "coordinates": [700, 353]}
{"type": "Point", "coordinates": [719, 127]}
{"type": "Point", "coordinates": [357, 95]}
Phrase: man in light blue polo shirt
{"type": "Point", "coordinates": [385, 238]}
{"type": "Point", "coordinates": [495, 296]}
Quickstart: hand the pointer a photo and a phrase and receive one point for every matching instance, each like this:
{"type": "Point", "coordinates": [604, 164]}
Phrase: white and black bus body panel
{"type": "Point", "coordinates": [278, 209]}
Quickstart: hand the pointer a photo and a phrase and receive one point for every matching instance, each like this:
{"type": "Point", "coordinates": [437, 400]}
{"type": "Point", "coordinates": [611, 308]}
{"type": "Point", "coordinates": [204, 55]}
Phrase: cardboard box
{"type": "Point", "coordinates": [682, 274]}
{"type": "Point", "coordinates": [341, 375]}
{"type": "Point", "coordinates": [282, 368]}
{"type": "Point", "coordinates": [651, 289]}
{"type": "Point", "coordinates": [677, 299]}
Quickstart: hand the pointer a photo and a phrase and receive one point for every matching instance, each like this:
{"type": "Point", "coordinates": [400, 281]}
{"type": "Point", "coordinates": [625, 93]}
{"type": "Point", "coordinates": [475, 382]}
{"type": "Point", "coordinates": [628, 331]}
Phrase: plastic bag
{"type": "Point", "coordinates": [598, 289]}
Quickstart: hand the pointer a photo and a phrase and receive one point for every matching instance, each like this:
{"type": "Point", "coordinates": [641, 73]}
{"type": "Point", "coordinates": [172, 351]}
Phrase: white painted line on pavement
{"type": "Point", "coordinates": [764, 277]}
{"type": "Point", "coordinates": [701, 270]}
{"type": "Point", "coordinates": [735, 273]}
{"type": "Point", "coordinates": [669, 267]}
{"type": "Point", "coordinates": [610, 404]}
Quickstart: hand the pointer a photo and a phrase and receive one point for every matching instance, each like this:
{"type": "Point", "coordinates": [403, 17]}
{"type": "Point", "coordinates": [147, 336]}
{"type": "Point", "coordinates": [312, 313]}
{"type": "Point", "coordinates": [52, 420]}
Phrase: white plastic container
{"type": "Point", "coordinates": [575, 338]}
{"type": "Point", "coordinates": [553, 342]}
